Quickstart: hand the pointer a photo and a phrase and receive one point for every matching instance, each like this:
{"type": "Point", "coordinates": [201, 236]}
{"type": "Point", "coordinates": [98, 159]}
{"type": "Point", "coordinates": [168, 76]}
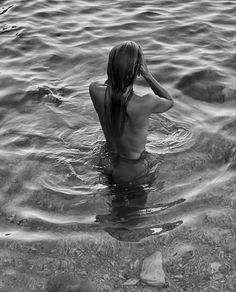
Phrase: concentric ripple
{"type": "Point", "coordinates": [50, 137]}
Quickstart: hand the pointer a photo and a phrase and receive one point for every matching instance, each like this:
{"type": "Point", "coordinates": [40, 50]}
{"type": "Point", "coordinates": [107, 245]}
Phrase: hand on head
{"type": "Point", "coordinates": [144, 71]}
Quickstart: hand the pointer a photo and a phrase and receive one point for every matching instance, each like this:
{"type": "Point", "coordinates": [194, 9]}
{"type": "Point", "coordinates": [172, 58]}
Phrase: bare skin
{"type": "Point", "coordinates": [139, 110]}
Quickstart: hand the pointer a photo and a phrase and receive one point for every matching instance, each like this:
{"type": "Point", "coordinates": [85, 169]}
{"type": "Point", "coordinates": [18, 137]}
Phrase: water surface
{"type": "Point", "coordinates": [51, 187]}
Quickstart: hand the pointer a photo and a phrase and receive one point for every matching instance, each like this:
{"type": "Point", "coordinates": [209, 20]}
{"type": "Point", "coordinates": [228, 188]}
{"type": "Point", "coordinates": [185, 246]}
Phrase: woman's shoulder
{"type": "Point", "coordinates": [140, 104]}
{"type": "Point", "coordinates": [97, 90]}
{"type": "Point", "coordinates": [140, 99]}
{"type": "Point", "coordinates": [97, 84]}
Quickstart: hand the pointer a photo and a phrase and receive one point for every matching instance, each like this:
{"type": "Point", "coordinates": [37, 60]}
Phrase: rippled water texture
{"type": "Point", "coordinates": [50, 139]}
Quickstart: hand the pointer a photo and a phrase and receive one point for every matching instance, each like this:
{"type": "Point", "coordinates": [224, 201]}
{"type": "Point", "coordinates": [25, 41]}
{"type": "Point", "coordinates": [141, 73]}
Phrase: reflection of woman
{"type": "Point", "coordinates": [123, 114]}
{"type": "Point", "coordinates": [127, 204]}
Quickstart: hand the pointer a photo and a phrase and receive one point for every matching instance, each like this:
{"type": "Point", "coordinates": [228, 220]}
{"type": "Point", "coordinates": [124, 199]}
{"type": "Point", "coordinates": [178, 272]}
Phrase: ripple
{"type": "Point", "coordinates": [50, 137]}
{"type": "Point", "coordinates": [172, 138]}
{"type": "Point", "coordinates": [52, 190]}
{"type": "Point", "coordinates": [71, 191]}
{"type": "Point", "coordinates": [29, 236]}
{"type": "Point", "coordinates": [55, 219]}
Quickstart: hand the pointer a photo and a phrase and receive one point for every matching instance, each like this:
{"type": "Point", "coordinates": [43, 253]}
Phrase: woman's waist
{"type": "Point", "coordinates": [124, 153]}
{"type": "Point", "coordinates": [127, 156]}
{"type": "Point", "coordinates": [132, 159]}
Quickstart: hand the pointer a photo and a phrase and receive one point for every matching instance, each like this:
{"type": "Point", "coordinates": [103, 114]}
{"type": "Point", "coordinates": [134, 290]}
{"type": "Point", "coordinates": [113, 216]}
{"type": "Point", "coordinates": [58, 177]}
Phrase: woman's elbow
{"type": "Point", "coordinates": [171, 103]}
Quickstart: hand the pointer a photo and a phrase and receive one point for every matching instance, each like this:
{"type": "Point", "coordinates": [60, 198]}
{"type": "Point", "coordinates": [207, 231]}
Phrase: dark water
{"type": "Point", "coordinates": [50, 137]}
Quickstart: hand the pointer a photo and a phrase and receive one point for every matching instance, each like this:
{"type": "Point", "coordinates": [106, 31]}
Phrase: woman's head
{"type": "Point", "coordinates": [123, 65]}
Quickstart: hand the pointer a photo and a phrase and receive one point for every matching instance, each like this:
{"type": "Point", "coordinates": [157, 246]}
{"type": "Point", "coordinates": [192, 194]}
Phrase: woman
{"type": "Point", "coordinates": [124, 115]}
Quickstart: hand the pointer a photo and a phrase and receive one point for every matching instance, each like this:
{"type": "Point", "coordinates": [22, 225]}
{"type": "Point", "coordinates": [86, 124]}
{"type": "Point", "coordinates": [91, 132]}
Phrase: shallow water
{"type": "Point", "coordinates": [50, 138]}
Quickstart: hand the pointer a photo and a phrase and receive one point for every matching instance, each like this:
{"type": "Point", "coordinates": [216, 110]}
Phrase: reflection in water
{"type": "Point", "coordinates": [133, 235]}
{"type": "Point", "coordinates": [50, 137]}
{"type": "Point", "coordinates": [128, 213]}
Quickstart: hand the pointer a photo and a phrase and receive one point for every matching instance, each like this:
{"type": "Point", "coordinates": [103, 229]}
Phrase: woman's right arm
{"type": "Point", "coordinates": [162, 100]}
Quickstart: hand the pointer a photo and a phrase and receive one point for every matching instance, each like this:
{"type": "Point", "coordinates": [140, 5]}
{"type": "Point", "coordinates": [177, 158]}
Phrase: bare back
{"type": "Point", "coordinates": [133, 140]}
{"type": "Point", "coordinates": [138, 110]}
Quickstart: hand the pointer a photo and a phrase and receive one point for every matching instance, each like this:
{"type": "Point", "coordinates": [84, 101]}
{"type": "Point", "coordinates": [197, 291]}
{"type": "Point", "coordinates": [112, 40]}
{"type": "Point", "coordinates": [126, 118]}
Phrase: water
{"type": "Point", "coordinates": [51, 188]}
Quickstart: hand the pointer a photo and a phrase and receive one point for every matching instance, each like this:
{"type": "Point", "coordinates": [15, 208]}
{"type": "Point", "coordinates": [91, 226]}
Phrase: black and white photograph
{"type": "Point", "coordinates": [117, 146]}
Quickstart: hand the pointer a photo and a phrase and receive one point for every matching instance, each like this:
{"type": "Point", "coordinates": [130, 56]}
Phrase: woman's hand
{"type": "Point", "coordinates": [144, 71]}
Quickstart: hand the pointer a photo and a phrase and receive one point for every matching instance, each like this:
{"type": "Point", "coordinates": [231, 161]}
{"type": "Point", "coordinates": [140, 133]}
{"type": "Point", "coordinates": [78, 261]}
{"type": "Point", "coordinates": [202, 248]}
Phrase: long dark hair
{"type": "Point", "coordinates": [123, 66]}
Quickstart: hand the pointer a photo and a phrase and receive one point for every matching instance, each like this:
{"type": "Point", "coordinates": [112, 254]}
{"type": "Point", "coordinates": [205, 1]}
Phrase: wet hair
{"type": "Point", "coordinates": [124, 64]}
